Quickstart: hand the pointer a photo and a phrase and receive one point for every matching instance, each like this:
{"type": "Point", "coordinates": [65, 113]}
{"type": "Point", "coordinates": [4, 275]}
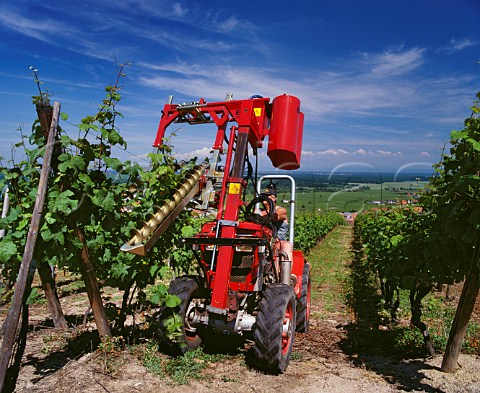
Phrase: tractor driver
{"type": "Point", "coordinates": [281, 224]}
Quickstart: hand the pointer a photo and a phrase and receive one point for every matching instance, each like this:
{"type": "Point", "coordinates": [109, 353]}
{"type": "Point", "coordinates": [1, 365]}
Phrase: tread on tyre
{"type": "Point", "coordinates": [274, 329]}
{"type": "Point", "coordinates": [304, 302]}
{"type": "Point", "coordinates": [186, 288]}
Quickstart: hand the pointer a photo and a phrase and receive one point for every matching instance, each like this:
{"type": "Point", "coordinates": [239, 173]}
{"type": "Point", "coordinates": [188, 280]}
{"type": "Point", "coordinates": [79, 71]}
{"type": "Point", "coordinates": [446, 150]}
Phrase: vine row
{"type": "Point", "coordinates": [311, 226]}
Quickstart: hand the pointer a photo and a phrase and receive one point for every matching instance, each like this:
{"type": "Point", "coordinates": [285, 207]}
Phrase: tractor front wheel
{"type": "Point", "coordinates": [274, 329]}
{"type": "Point", "coordinates": [176, 343]}
{"type": "Point", "coordinates": [304, 301]}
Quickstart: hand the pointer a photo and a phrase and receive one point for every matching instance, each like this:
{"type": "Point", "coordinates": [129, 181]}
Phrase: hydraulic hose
{"type": "Point", "coordinates": [260, 219]}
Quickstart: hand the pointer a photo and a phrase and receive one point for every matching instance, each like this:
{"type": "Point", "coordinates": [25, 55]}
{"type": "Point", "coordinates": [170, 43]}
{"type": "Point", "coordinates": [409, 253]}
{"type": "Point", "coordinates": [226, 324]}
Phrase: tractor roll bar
{"type": "Point", "coordinates": [291, 219]}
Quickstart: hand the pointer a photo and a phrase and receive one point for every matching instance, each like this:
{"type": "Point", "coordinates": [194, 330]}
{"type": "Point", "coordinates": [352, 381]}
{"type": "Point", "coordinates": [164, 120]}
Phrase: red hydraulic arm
{"type": "Point", "coordinates": [252, 117]}
{"type": "Point", "coordinates": [254, 121]}
{"type": "Point", "coordinates": [253, 113]}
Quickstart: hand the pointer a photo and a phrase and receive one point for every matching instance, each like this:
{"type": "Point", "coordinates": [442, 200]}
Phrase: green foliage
{"type": "Point", "coordinates": [454, 198]}
{"type": "Point", "coordinates": [471, 342]}
{"type": "Point", "coordinates": [311, 226]}
{"type": "Point", "coordinates": [412, 251]}
{"type": "Point", "coordinates": [393, 242]}
{"type": "Point", "coordinates": [181, 369]}
{"type": "Point", "coordinates": [152, 360]}
{"type": "Point", "coordinates": [7, 250]}
{"type": "Point", "coordinates": [157, 294]}
{"type": "Point", "coordinates": [109, 350]}
{"type": "Point", "coordinates": [89, 191]}
{"type": "Point", "coordinates": [413, 248]}
{"type": "Point", "coordinates": [35, 297]}
{"type": "Point", "coordinates": [190, 365]}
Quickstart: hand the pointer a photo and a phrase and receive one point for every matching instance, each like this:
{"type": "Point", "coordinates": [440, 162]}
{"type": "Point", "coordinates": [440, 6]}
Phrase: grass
{"type": "Point", "coordinates": [330, 271]}
{"type": "Point", "coordinates": [109, 350]}
{"type": "Point", "coordinates": [352, 197]}
{"type": "Point", "coordinates": [437, 314]}
{"type": "Point", "coordinates": [181, 370]}
{"type": "Point", "coordinates": [349, 196]}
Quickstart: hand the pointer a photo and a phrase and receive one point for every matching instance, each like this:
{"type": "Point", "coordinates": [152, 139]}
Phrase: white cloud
{"type": "Point", "coordinates": [334, 152]}
{"type": "Point", "coordinates": [455, 45]}
{"type": "Point", "coordinates": [178, 10]}
{"type": "Point", "coordinates": [328, 152]}
{"type": "Point", "coordinates": [199, 153]}
{"type": "Point", "coordinates": [40, 29]}
{"type": "Point", "coordinates": [357, 88]}
{"type": "Point", "coordinates": [394, 62]}
{"type": "Point", "coordinates": [361, 152]}
{"type": "Point", "coordinates": [385, 153]}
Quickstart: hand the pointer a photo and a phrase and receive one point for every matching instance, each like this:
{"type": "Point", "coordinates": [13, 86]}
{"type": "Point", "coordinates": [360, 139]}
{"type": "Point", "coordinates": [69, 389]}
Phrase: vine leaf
{"type": "Point", "coordinates": [7, 250]}
{"type": "Point", "coordinates": [61, 202]}
{"type": "Point", "coordinates": [172, 301]}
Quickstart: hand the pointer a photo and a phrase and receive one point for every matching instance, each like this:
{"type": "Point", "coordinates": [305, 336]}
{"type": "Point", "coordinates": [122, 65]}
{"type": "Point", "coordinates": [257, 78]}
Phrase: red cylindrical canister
{"type": "Point", "coordinates": [301, 119]}
{"type": "Point", "coordinates": [283, 134]}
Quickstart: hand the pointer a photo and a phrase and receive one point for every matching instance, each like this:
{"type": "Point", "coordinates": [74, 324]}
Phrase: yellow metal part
{"type": "Point", "coordinates": [234, 188]}
{"type": "Point", "coordinates": [156, 224]}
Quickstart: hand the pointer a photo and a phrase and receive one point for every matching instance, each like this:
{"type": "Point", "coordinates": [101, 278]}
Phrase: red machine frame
{"type": "Point", "coordinates": [252, 116]}
{"type": "Point", "coordinates": [238, 257]}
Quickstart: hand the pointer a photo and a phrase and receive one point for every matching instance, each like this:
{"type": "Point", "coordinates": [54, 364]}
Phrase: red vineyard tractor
{"type": "Point", "coordinates": [247, 288]}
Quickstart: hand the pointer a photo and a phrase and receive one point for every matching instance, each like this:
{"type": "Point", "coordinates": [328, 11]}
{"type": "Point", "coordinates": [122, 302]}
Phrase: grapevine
{"type": "Point", "coordinates": [414, 250]}
{"type": "Point", "coordinates": [93, 193]}
{"type": "Point", "coordinates": [311, 226]}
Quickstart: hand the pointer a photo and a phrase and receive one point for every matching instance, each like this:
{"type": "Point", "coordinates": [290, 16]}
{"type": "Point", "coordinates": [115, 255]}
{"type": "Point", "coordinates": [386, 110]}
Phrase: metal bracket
{"type": "Point", "coordinates": [228, 223]}
{"type": "Point", "coordinates": [216, 310]}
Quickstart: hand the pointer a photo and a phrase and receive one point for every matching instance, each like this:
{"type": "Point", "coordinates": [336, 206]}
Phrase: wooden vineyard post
{"type": "Point", "coordinates": [91, 286]}
{"type": "Point", "coordinates": [45, 113]}
{"type": "Point", "coordinates": [21, 340]}
{"type": "Point", "coordinates": [13, 317]}
{"type": "Point", "coordinates": [49, 287]}
{"type": "Point", "coordinates": [462, 317]}
{"type": "Point", "coordinates": [6, 203]}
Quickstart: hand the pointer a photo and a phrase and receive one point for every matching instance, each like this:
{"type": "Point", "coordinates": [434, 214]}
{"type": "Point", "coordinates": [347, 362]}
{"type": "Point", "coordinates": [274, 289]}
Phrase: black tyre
{"type": "Point", "coordinates": [304, 302]}
{"type": "Point", "coordinates": [186, 288]}
{"type": "Point", "coordinates": [274, 329]}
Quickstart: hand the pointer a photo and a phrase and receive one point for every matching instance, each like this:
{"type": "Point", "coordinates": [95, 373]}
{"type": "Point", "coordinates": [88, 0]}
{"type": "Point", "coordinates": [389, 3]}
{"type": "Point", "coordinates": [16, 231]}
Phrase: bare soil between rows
{"type": "Point", "coordinates": [320, 363]}
{"type": "Point", "coordinates": [326, 359]}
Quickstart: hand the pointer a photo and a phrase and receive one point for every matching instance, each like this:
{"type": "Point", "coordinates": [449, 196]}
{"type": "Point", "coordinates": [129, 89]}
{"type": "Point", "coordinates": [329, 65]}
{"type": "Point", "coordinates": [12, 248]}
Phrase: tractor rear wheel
{"type": "Point", "coordinates": [274, 329]}
{"type": "Point", "coordinates": [304, 301]}
{"type": "Point", "coordinates": [186, 288]}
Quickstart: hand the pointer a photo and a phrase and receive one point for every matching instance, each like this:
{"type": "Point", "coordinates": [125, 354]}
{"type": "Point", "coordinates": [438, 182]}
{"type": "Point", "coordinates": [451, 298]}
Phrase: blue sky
{"type": "Point", "coordinates": [382, 83]}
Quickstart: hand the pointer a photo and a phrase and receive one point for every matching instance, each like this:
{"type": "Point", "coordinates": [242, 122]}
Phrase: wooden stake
{"type": "Point", "coordinates": [6, 203]}
{"type": "Point", "coordinates": [50, 289]}
{"type": "Point", "coordinates": [462, 317]}
{"type": "Point", "coordinates": [45, 112]}
{"type": "Point", "coordinates": [11, 322]}
{"type": "Point", "coordinates": [93, 292]}
{"type": "Point", "coordinates": [21, 340]}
